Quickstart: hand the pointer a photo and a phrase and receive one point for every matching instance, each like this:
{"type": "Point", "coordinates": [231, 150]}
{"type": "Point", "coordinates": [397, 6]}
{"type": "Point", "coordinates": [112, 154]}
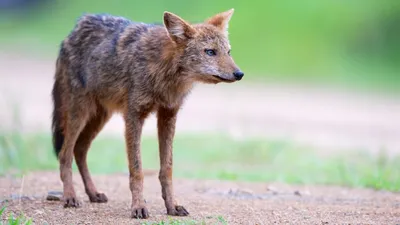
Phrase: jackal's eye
{"type": "Point", "coordinates": [210, 52]}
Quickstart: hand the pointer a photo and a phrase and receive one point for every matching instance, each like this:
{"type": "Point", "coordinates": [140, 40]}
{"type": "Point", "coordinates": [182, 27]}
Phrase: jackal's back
{"type": "Point", "coordinates": [90, 30]}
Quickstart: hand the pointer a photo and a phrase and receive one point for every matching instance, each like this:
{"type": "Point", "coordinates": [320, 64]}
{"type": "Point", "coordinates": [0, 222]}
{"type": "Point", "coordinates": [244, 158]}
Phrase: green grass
{"type": "Point", "coordinates": [12, 220]}
{"type": "Point", "coordinates": [217, 157]}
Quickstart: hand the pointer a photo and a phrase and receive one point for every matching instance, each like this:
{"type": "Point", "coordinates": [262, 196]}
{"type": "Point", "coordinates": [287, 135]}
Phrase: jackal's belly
{"type": "Point", "coordinates": [113, 100]}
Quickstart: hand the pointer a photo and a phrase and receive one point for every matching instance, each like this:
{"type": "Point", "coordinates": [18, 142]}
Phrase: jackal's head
{"type": "Point", "coordinates": [205, 48]}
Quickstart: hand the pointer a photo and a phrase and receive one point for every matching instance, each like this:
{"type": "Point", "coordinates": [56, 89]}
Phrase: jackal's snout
{"type": "Point", "coordinates": [238, 74]}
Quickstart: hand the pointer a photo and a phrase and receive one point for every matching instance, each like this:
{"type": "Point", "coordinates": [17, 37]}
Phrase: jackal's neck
{"type": "Point", "coordinates": [154, 55]}
{"type": "Point", "coordinates": [170, 79]}
{"type": "Point", "coordinates": [163, 56]}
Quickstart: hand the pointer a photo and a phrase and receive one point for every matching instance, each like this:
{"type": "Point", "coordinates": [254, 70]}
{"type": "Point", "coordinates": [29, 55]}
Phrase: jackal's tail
{"type": "Point", "coordinates": [58, 110]}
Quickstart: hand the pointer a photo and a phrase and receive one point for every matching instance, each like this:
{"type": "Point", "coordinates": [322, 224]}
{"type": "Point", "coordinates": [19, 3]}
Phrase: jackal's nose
{"type": "Point", "coordinates": [238, 74]}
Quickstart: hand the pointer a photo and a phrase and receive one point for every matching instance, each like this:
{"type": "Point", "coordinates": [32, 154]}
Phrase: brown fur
{"type": "Point", "coordinates": [109, 64]}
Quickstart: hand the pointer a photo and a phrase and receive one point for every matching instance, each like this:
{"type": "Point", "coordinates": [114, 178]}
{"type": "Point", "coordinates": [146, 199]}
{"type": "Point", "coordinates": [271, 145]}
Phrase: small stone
{"type": "Point", "coordinates": [21, 197]}
{"type": "Point", "coordinates": [241, 193]}
{"type": "Point", "coordinates": [272, 190]}
{"type": "Point", "coordinates": [297, 193]}
{"type": "Point", "coordinates": [54, 196]}
{"type": "Point", "coordinates": [39, 212]}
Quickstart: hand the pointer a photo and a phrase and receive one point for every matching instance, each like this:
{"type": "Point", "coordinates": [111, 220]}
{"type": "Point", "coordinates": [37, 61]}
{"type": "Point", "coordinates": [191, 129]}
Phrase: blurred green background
{"type": "Point", "coordinates": [352, 43]}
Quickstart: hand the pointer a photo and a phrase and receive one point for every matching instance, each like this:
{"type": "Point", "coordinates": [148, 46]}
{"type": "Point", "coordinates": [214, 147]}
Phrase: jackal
{"type": "Point", "coordinates": [110, 64]}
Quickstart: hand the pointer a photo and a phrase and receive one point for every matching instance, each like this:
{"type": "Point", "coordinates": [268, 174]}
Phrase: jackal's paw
{"type": "Point", "coordinates": [98, 197]}
{"type": "Point", "coordinates": [140, 212]}
{"type": "Point", "coordinates": [177, 211]}
{"type": "Point", "coordinates": [71, 202]}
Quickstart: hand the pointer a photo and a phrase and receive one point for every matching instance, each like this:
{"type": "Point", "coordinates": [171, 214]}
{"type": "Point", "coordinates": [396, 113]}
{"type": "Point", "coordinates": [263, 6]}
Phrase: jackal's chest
{"type": "Point", "coordinates": [174, 97]}
{"type": "Point", "coordinates": [168, 100]}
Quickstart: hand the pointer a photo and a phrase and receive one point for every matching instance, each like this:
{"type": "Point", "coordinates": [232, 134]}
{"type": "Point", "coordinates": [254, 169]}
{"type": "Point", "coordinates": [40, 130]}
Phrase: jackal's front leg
{"type": "Point", "coordinates": [166, 130]}
{"type": "Point", "coordinates": [133, 130]}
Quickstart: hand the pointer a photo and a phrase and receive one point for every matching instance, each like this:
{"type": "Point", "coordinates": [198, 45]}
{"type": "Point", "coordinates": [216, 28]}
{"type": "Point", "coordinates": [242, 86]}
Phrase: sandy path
{"type": "Point", "coordinates": [236, 202]}
{"type": "Point", "coordinates": [325, 118]}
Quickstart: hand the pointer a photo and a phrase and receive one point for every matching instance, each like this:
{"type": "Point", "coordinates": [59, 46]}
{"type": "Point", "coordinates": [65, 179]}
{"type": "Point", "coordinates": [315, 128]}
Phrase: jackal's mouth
{"type": "Point", "coordinates": [222, 79]}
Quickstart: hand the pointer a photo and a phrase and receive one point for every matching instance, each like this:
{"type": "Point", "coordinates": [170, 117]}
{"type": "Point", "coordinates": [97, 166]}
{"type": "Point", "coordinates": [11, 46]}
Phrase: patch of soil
{"type": "Point", "coordinates": [206, 200]}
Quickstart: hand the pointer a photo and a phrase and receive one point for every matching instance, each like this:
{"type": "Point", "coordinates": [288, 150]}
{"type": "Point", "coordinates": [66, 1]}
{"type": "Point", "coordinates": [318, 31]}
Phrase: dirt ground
{"type": "Point", "coordinates": [235, 202]}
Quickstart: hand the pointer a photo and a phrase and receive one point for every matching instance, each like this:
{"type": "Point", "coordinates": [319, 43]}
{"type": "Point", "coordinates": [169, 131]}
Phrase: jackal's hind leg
{"type": "Point", "coordinates": [92, 128]}
{"type": "Point", "coordinates": [75, 122]}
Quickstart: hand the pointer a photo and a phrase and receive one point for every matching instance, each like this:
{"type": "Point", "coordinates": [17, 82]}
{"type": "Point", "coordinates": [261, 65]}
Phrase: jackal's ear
{"type": "Point", "coordinates": [178, 29]}
{"type": "Point", "coordinates": [221, 20]}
